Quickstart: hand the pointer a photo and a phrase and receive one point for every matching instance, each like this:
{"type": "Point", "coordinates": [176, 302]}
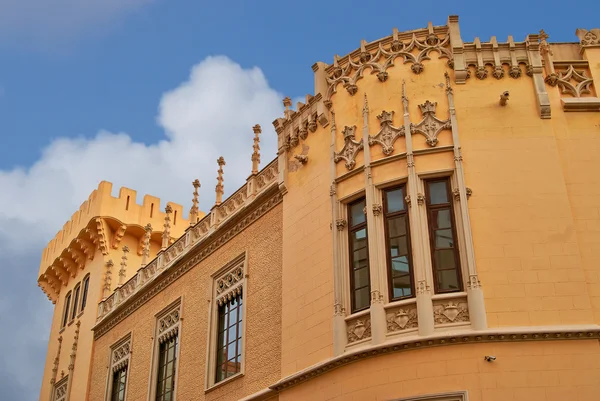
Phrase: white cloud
{"type": "Point", "coordinates": [48, 19]}
{"type": "Point", "coordinates": [210, 115]}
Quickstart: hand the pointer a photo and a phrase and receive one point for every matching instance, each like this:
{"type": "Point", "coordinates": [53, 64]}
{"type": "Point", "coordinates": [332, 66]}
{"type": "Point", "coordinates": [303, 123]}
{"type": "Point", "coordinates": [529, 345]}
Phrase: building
{"type": "Point", "coordinates": [430, 230]}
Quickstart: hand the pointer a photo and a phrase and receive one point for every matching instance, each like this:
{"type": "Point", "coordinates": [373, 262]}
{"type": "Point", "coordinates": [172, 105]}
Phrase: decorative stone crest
{"type": "Point", "coordinates": [359, 329]}
{"type": "Point", "coordinates": [388, 134]}
{"type": "Point", "coordinates": [430, 126]}
{"type": "Point", "coordinates": [350, 149]}
{"type": "Point", "coordinates": [451, 312]}
{"type": "Point", "coordinates": [340, 224]}
{"type": "Point", "coordinates": [402, 319]}
{"type": "Point", "coordinates": [589, 38]}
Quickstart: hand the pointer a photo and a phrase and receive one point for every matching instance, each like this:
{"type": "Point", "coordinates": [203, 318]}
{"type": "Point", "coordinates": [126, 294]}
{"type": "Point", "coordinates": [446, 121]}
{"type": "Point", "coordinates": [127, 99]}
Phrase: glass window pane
{"type": "Point", "coordinates": [232, 334]}
{"type": "Point", "coordinates": [233, 317]}
{"type": "Point", "coordinates": [359, 238]}
{"type": "Point", "coordinates": [398, 246]}
{"type": "Point", "coordinates": [361, 278]}
{"type": "Point", "coordinates": [444, 239]}
{"type": "Point", "coordinates": [438, 192]}
{"type": "Point", "coordinates": [401, 286]}
{"type": "Point", "coordinates": [361, 298]}
{"type": "Point", "coordinates": [397, 226]}
{"type": "Point", "coordinates": [448, 280]}
{"type": "Point", "coordinates": [400, 266]}
{"type": "Point", "coordinates": [441, 218]}
{"type": "Point", "coordinates": [395, 200]}
{"type": "Point", "coordinates": [444, 259]}
{"type": "Point", "coordinates": [357, 214]}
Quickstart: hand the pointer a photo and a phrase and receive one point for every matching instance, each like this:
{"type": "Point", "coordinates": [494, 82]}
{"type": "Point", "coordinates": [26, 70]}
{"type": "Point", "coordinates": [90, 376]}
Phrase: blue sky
{"type": "Point", "coordinates": [127, 90]}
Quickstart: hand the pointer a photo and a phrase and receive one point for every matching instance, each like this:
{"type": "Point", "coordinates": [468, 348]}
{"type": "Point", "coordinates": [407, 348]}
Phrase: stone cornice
{"type": "Point", "coordinates": [263, 203]}
{"type": "Point", "coordinates": [542, 333]}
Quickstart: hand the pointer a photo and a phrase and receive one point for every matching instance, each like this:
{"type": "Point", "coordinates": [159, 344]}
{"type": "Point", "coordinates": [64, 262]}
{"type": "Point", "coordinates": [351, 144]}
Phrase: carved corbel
{"type": "Point", "coordinates": [102, 235]}
{"type": "Point", "coordinates": [69, 265]}
{"type": "Point", "coordinates": [87, 248]}
{"type": "Point", "coordinates": [430, 126]}
{"type": "Point", "coordinates": [119, 234]}
{"type": "Point", "coordinates": [303, 159]}
{"type": "Point", "coordinates": [77, 256]}
{"type": "Point", "coordinates": [350, 149]}
{"type": "Point", "coordinates": [61, 273]}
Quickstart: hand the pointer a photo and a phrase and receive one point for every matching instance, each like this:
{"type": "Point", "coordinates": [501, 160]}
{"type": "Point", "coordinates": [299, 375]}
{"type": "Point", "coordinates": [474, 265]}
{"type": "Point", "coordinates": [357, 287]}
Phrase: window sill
{"type": "Point", "coordinates": [358, 314]}
{"type": "Point", "coordinates": [448, 295]}
{"type": "Point", "coordinates": [61, 330]}
{"type": "Point", "coordinates": [400, 302]}
{"type": "Point", "coordinates": [79, 314]}
{"type": "Point", "coordinates": [223, 382]}
{"type": "Point", "coordinates": [71, 322]}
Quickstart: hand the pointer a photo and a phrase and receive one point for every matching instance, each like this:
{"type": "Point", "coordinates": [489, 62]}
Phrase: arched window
{"type": "Point", "coordinates": [75, 301]}
{"type": "Point", "coordinates": [66, 310]}
{"type": "Point", "coordinates": [86, 284]}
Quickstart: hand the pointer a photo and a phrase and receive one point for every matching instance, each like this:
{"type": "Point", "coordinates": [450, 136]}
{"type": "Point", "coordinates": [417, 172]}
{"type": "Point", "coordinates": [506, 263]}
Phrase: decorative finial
{"type": "Point", "coordinates": [448, 87]}
{"type": "Point", "coordinates": [219, 187]}
{"type": "Point", "coordinates": [287, 102]}
{"type": "Point", "coordinates": [123, 265]}
{"type": "Point", "coordinates": [194, 208]}
{"type": "Point", "coordinates": [166, 235]}
{"type": "Point", "coordinates": [256, 153]}
{"type": "Point", "coordinates": [333, 127]}
{"type": "Point", "coordinates": [146, 247]}
{"type": "Point", "coordinates": [366, 105]}
{"type": "Point", "coordinates": [108, 278]}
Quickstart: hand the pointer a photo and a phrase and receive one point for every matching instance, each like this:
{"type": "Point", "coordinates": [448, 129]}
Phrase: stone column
{"type": "Point", "coordinates": [418, 233]}
{"type": "Point", "coordinates": [474, 290]}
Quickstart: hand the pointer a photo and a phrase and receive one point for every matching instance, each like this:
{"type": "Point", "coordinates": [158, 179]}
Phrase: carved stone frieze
{"type": "Point", "coordinates": [451, 311]}
{"type": "Point", "coordinates": [350, 149]}
{"type": "Point", "coordinates": [168, 324]}
{"type": "Point", "coordinates": [388, 134]}
{"type": "Point", "coordinates": [351, 68]}
{"type": "Point", "coordinates": [430, 126]}
{"type": "Point", "coordinates": [402, 319]}
{"type": "Point", "coordinates": [120, 355]}
{"type": "Point", "coordinates": [359, 329]}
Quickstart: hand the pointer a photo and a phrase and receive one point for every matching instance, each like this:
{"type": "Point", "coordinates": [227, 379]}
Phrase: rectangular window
{"type": "Point", "coordinates": [360, 283]}
{"type": "Point", "coordinates": [66, 311]}
{"type": "Point", "coordinates": [442, 236]}
{"type": "Point", "coordinates": [167, 356]}
{"type": "Point", "coordinates": [399, 261]}
{"type": "Point", "coordinates": [75, 302]}
{"type": "Point", "coordinates": [86, 284]}
{"type": "Point", "coordinates": [229, 339]}
{"type": "Point", "coordinates": [118, 384]}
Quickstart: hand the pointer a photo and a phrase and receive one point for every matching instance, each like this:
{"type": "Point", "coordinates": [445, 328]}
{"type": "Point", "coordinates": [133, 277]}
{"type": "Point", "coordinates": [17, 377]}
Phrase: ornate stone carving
{"type": "Point", "coordinates": [474, 281]}
{"type": "Point", "coordinates": [340, 224]}
{"type": "Point", "coordinates": [123, 268]}
{"type": "Point", "coordinates": [388, 134]}
{"type": "Point", "coordinates": [588, 38]}
{"type": "Point", "coordinates": [102, 235]}
{"type": "Point", "coordinates": [107, 278]}
{"type": "Point", "coordinates": [430, 126]}
{"type": "Point", "coordinates": [60, 391]}
{"type": "Point", "coordinates": [481, 72]}
{"type": "Point", "coordinates": [376, 297]}
{"type": "Point", "coordinates": [256, 149]}
{"type": "Point", "coordinates": [451, 312]}
{"type": "Point", "coordinates": [303, 159]}
{"type": "Point", "coordinates": [194, 209]}
{"type": "Point", "coordinates": [350, 149]}
{"type": "Point", "coordinates": [119, 234]}
{"type": "Point", "coordinates": [339, 310]}
{"type": "Point", "coordinates": [420, 198]}
{"type": "Point", "coordinates": [120, 355]}
{"type": "Point", "coordinates": [220, 179]}
{"type": "Point", "coordinates": [564, 81]}
{"type": "Point", "coordinates": [402, 319]}
{"type": "Point", "coordinates": [407, 199]}
{"type": "Point", "coordinates": [377, 210]}
{"type": "Point", "coordinates": [422, 287]}
{"type": "Point", "coordinates": [168, 325]}
{"type": "Point", "coordinates": [230, 279]}
{"type": "Point", "coordinates": [379, 60]}
{"type": "Point", "coordinates": [359, 329]}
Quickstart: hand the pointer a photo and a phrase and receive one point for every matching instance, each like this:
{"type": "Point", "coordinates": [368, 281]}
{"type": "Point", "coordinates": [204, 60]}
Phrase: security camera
{"type": "Point", "coordinates": [489, 358]}
{"type": "Point", "coordinates": [504, 98]}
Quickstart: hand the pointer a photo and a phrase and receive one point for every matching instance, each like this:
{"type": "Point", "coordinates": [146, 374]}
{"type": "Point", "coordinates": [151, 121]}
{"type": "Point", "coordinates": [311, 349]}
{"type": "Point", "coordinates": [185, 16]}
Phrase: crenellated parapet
{"type": "Point", "coordinates": [99, 226]}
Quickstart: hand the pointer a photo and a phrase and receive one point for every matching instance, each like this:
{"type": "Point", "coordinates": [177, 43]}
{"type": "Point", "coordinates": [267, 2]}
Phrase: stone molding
{"type": "Point", "coordinates": [399, 344]}
{"type": "Point", "coordinates": [209, 244]}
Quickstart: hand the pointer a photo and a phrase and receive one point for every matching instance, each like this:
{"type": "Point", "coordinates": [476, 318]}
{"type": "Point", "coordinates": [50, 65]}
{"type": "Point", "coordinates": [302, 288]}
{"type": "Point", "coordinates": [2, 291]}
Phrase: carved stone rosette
{"type": "Point", "coordinates": [403, 318]}
{"type": "Point", "coordinates": [350, 149]}
{"type": "Point", "coordinates": [430, 126]}
{"type": "Point", "coordinates": [388, 134]}
{"type": "Point", "coordinates": [450, 311]}
{"type": "Point", "coordinates": [359, 329]}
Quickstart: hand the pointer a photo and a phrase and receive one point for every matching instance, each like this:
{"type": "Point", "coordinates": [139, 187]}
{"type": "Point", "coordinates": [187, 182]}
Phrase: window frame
{"type": "Point", "coordinates": [431, 232]}
{"type": "Point", "coordinates": [238, 333]}
{"type": "Point", "coordinates": [119, 357]}
{"type": "Point", "coordinates": [240, 261]}
{"type": "Point", "coordinates": [64, 319]}
{"type": "Point", "coordinates": [85, 285]}
{"type": "Point", "coordinates": [352, 229]}
{"type": "Point", "coordinates": [76, 299]}
{"type": "Point", "coordinates": [390, 215]}
{"type": "Point", "coordinates": [174, 329]}
{"type": "Point", "coordinates": [62, 384]}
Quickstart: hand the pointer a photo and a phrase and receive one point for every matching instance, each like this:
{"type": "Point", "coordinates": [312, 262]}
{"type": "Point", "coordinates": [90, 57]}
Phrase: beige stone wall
{"type": "Point", "coordinates": [262, 241]}
{"type": "Point", "coordinates": [527, 371]}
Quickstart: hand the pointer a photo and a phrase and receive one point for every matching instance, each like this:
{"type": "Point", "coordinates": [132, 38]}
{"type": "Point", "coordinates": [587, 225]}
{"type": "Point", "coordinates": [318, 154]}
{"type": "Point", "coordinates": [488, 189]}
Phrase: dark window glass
{"type": "Point", "coordinates": [398, 245]}
{"type": "Point", "coordinates": [359, 257]}
{"type": "Point", "coordinates": [442, 234]}
{"type": "Point", "coordinates": [118, 384]}
{"type": "Point", "coordinates": [86, 284]}
{"type": "Point", "coordinates": [67, 309]}
{"type": "Point", "coordinates": [75, 301]}
{"type": "Point", "coordinates": [167, 356]}
{"type": "Point", "coordinates": [229, 339]}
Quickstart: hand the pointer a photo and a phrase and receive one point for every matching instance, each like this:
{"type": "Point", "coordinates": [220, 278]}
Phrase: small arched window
{"type": "Point", "coordinates": [66, 310]}
{"type": "Point", "coordinates": [86, 285]}
{"type": "Point", "coordinates": [75, 301]}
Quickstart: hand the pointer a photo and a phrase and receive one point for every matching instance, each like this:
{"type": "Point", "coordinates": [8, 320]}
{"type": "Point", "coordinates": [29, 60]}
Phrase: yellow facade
{"type": "Point", "coordinates": [513, 127]}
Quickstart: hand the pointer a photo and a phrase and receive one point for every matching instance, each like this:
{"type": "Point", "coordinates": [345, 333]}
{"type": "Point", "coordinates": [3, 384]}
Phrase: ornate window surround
{"type": "Point", "coordinates": [241, 261]}
{"type": "Point", "coordinates": [119, 356]}
{"type": "Point", "coordinates": [64, 317]}
{"type": "Point", "coordinates": [75, 301]}
{"type": "Point", "coordinates": [59, 392]}
{"type": "Point", "coordinates": [168, 323]}
{"type": "Point", "coordinates": [84, 294]}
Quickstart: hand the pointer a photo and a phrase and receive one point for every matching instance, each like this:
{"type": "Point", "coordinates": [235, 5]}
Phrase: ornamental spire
{"type": "Point", "coordinates": [219, 188]}
{"type": "Point", "coordinates": [194, 209]}
{"type": "Point", "coordinates": [123, 268]}
{"type": "Point", "coordinates": [166, 235]}
{"type": "Point", "coordinates": [256, 153]}
{"type": "Point", "coordinates": [146, 246]}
